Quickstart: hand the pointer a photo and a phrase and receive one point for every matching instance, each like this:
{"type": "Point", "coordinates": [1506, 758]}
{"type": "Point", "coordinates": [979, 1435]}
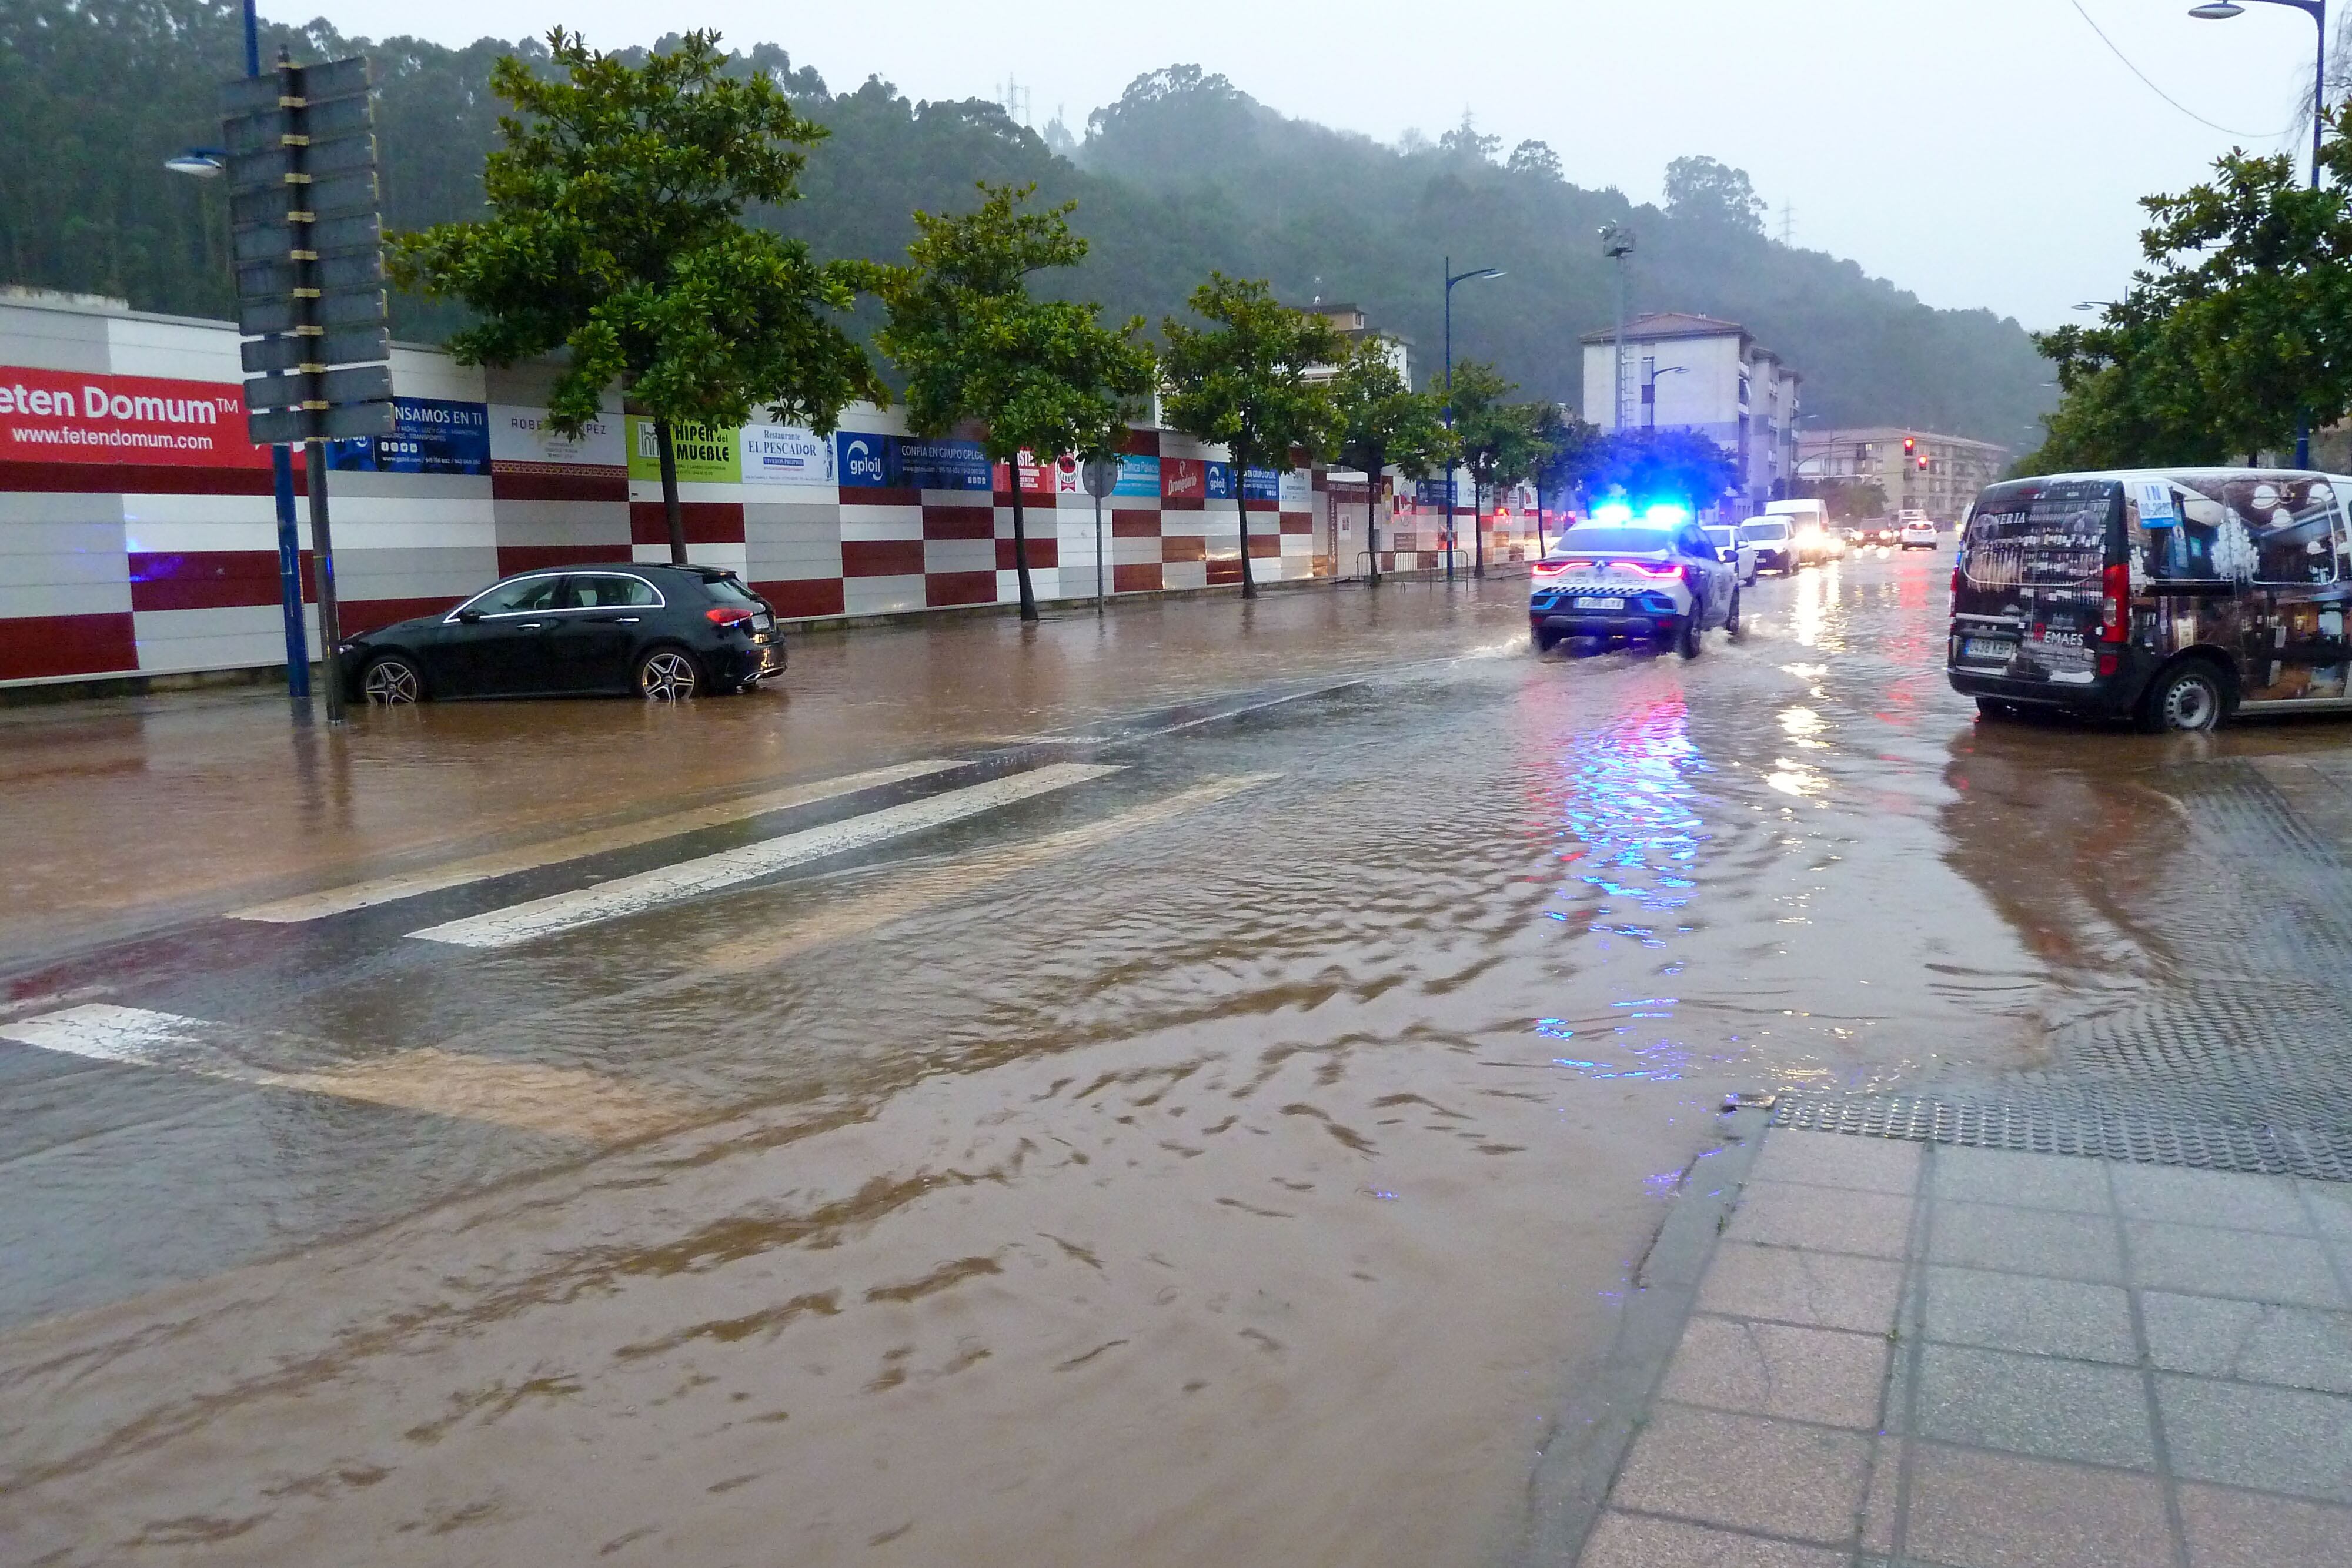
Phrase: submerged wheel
{"type": "Point", "coordinates": [1544, 639]}
{"type": "Point", "coordinates": [2186, 699]}
{"type": "Point", "coordinates": [667, 674]}
{"type": "Point", "coordinates": [1997, 708]}
{"type": "Point", "coordinates": [1686, 641]}
{"type": "Point", "coordinates": [391, 682]}
{"type": "Point", "coordinates": [1731, 616]}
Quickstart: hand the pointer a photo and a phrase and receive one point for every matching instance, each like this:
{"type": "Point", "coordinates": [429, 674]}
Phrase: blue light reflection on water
{"type": "Point", "coordinates": [1630, 840]}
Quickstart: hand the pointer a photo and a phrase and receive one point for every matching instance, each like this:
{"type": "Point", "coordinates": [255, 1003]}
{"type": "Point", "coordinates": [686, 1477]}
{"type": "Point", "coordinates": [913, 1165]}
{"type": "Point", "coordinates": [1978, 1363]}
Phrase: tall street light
{"type": "Point", "coordinates": [1452, 278]}
{"type": "Point", "coordinates": [2221, 11]}
{"type": "Point", "coordinates": [210, 163]}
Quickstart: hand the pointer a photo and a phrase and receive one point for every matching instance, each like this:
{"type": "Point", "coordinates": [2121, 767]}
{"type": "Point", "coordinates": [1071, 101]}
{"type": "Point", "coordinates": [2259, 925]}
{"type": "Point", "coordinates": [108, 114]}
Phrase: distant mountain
{"type": "Point", "coordinates": [1183, 175]}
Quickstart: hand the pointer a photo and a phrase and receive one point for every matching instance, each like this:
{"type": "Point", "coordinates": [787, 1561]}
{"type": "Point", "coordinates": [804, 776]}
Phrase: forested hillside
{"type": "Point", "coordinates": [1183, 174]}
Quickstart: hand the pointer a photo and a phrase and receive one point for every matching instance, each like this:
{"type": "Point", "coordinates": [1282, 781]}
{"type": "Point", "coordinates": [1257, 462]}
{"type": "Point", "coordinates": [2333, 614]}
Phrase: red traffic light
{"type": "Point", "coordinates": [1923, 464]}
{"type": "Point", "coordinates": [1909, 445]}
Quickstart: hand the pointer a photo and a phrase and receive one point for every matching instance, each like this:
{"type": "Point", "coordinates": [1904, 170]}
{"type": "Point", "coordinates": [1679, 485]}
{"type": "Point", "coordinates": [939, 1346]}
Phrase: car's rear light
{"type": "Point", "coordinates": [1663, 573]}
{"type": "Point", "coordinates": [728, 614]}
{"type": "Point", "coordinates": [2110, 662]}
{"type": "Point", "coordinates": [2114, 598]}
{"type": "Point", "coordinates": [1551, 568]}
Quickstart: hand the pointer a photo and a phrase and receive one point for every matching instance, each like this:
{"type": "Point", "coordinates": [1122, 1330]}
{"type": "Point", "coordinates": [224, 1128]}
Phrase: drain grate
{"type": "Point", "coordinates": [2244, 1064]}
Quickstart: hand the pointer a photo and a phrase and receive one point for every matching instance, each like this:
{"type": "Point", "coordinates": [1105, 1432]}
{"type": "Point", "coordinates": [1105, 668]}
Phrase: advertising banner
{"type": "Point", "coordinates": [429, 435]}
{"type": "Point", "coordinates": [67, 416]}
{"type": "Point", "coordinates": [786, 454]}
{"type": "Point", "coordinates": [1262, 484]}
{"type": "Point", "coordinates": [865, 461]}
{"type": "Point", "coordinates": [703, 456]}
{"type": "Point", "coordinates": [943, 464]}
{"type": "Point", "coordinates": [1036, 478]}
{"type": "Point", "coordinates": [521, 437]}
{"type": "Point", "coordinates": [1136, 476]}
{"type": "Point", "coordinates": [1183, 478]}
{"type": "Point", "coordinates": [1297, 488]}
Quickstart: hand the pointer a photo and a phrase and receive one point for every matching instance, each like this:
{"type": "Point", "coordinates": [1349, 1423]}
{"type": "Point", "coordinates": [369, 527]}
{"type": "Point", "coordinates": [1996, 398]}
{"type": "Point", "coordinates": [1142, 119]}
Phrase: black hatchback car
{"type": "Point", "coordinates": [661, 632]}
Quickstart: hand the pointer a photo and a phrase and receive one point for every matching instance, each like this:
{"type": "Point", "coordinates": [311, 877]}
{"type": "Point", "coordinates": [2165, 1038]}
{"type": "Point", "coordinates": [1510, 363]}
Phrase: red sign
{"type": "Point", "coordinates": [1183, 479]}
{"type": "Point", "coordinates": [64, 416]}
{"type": "Point", "coordinates": [1036, 478]}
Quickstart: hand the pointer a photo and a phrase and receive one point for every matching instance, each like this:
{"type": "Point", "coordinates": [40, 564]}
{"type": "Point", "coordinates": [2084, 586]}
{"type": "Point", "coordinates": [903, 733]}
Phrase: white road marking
{"type": "Point", "coordinates": [480, 868]}
{"type": "Point", "coordinates": [706, 873]}
{"type": "Point", "coordinates": [567, 1102]}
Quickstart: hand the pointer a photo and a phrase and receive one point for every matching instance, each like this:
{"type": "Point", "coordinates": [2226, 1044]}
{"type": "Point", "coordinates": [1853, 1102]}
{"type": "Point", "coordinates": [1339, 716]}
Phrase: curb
{"type": "Point", "coordinates": [1610, 1403]}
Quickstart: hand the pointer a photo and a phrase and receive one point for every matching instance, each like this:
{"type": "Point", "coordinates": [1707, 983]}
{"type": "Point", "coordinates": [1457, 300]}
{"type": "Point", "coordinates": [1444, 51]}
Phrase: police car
{"type": "Point", "coordinates": [1656, 579]}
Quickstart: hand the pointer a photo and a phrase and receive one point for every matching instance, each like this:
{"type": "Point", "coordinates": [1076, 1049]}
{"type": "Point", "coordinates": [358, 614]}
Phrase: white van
{"type": "Point", "coordinates": [1809, 526]}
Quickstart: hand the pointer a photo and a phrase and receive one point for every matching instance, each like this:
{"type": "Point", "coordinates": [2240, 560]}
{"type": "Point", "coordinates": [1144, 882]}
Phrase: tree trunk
{"type": "Point", "coordinates": [1372, 515]}
{"type": "Point", "coordinates": [1542, 549]}
{"type": "Point", "coordinates": [1477, 531]}
{"type": "Point", "coordinates": [1241, 501]}
{"type": "Point", "coordinates": [1021, 546]}
{"type": "Point", "coordinates": [676, 519]}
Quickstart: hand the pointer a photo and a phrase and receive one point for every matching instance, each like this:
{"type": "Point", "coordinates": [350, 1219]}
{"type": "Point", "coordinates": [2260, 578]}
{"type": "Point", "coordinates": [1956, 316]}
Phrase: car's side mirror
{"type": "Point", "coordinates": [469, 616]}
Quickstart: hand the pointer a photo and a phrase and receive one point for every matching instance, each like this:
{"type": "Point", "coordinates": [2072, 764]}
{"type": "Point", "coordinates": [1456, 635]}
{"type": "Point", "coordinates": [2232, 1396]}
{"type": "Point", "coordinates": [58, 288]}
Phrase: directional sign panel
{"type": "Point", "coordinates": [349, 346]}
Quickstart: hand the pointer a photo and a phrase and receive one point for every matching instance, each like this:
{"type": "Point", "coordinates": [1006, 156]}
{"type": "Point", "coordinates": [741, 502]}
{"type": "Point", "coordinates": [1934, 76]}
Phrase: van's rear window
{"type": "Point", "coordinates": [1764, 531]}
{"type": "Point", "coordinates": [2030, 533]}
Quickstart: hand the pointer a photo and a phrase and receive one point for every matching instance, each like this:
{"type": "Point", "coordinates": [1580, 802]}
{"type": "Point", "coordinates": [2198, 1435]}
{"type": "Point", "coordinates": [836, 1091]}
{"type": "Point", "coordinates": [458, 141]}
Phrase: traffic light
{"type": "Point", "coordinates": [1910, 445]}
{"type": "Point", "coordinates": [1923, 463]}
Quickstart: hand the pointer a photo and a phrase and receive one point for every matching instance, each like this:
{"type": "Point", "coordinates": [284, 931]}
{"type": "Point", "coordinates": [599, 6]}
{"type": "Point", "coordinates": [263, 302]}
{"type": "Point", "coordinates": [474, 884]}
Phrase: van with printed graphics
{"type": "Point", "coordinates": [2175, 598]}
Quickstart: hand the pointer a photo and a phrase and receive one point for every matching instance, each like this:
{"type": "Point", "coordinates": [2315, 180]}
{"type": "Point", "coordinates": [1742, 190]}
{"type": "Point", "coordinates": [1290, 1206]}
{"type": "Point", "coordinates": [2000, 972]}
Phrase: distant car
{"type": "Point", "coordinates": [1659, 583]}
{"type": "Point", "coordinates": [1731, 549]}
{"type": "Point", "coordinates": [1883, 532]}
{"type": "Point", "coordinates": [1775, 549]}
{"type": "Point", "coordinates": [1920, 534]}
{"type": "Point", "coordinates": [663, 633]}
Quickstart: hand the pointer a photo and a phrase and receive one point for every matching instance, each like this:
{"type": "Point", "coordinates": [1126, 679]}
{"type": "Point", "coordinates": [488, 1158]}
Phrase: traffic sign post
{"type": "Point", "coordinates": [307, 239]}
{"type": "Point", "coordinates": [1100, 477]}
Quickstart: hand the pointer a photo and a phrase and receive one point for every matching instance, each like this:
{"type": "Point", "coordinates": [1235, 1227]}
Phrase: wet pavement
{"type": "Point", "coordinates": [1195, 1082]}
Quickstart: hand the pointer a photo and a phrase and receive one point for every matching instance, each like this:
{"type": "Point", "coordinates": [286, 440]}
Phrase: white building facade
{"type": "Point", "coordinates": [1684, 371]}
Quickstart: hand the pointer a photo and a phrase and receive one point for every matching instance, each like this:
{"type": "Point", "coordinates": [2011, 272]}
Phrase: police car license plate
{"type": "Point", "coordinates": [1594, 601]}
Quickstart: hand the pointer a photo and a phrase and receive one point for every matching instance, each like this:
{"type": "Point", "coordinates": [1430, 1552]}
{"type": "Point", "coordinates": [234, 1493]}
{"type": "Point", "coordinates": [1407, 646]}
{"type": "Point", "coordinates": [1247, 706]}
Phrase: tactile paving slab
{"type": "Point", "coordinates": [2246, 1065]}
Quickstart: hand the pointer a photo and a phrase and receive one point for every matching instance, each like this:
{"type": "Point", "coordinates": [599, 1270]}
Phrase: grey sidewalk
{"type": "Point", "coordinates": [1917, 1353]}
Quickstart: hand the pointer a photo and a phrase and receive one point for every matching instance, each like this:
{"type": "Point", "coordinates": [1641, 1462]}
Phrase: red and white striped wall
{"type": "Point", "coordinates": [138, 531]}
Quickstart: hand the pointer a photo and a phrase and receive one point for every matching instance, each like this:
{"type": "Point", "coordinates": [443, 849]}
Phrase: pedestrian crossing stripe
{"type": "Point", "coordinates": [706, 873]}
{"type": "Point", "coordinates": [563, 1102]}
{"type": "Point", "coordinates": [600, 840]}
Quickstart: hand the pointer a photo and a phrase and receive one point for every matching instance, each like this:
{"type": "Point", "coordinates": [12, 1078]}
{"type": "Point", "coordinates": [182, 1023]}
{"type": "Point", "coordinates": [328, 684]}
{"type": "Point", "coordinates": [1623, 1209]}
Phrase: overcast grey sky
{"type": "Point", "coordinates": [1979, 152]}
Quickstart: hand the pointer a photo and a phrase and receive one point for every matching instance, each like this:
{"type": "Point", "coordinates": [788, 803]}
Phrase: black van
{"type": "Point", "coordinates": [2172, 597]}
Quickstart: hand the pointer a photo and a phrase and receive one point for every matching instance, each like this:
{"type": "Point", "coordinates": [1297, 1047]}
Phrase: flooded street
{"type": "Point", "coordinates": [1191, 1086]}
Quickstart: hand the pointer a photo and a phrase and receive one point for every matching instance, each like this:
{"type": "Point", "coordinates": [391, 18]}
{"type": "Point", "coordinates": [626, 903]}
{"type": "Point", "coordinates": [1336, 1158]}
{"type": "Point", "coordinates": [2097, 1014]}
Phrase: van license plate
{"type": "Point", "coordinates": [1589, 603]}
{"type": "Point", "coordinates": [1991, 649]}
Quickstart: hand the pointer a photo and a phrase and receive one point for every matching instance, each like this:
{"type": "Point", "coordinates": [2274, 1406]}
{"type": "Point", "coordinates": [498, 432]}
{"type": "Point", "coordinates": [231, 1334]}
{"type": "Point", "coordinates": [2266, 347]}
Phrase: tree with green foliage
{"type": "Point", "coordinates": [1245, 383]}
{"type": "Point", "coordinates": [1042, 376]}
{"type": "Point", "coordinates": [1567, 451]}
{"type": "Point", "coordinates": [1383, 422]}
{"type": "Point", "coordinates": [1713, 192]}
{"type": "Point", "coordinates": [2239, 326]}
{"type": "Point", "coordinates": [1497, 440]}
{"type": "Point", "coordinates": [615, 234]}
{"type": "Point", "coordinates": [1651, 466]}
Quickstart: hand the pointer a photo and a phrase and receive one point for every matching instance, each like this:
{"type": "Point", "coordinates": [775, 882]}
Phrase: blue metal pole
{"type": "Point", "coordinates": [1449, 417]}
{"type": "Point", "coordinates": [281, 475]}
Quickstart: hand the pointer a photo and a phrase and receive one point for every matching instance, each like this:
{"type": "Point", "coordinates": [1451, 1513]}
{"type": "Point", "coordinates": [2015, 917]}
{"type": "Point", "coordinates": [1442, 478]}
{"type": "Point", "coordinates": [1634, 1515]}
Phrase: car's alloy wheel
{"type": "Point", "coordinates": [392, 683]}
{"type": "Point", "coordinates": [667, 674]}
{"type": "Point", "coordinates": [1687, 642]}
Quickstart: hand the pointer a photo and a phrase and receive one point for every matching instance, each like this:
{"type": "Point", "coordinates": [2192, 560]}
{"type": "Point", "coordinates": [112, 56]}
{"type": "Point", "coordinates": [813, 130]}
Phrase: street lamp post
{"type": "Point", "coordinates": [208, 164]}
{"type": "Point", "coordinates": [1452, 278]}
{"type": "Point", "coordinates": [2221, 11]}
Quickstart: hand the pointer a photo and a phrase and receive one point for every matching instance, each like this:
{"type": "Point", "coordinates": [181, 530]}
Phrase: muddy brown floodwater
{"type": "Point", "coordinates": [1239, 1156]}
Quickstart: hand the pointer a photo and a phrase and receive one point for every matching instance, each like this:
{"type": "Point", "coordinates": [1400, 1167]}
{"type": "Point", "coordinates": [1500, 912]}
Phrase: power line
{"type": "Point", "coordinates": [2227, 131]}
